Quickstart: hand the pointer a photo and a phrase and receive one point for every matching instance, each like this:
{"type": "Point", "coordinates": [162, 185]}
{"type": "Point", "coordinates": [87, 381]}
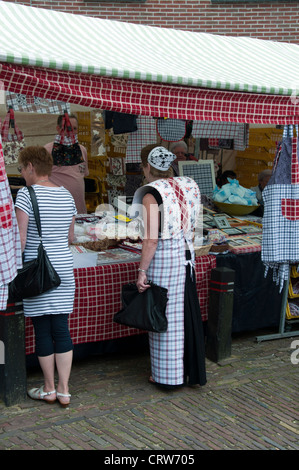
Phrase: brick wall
{"type": "Point", "coordinates": [275, 21]}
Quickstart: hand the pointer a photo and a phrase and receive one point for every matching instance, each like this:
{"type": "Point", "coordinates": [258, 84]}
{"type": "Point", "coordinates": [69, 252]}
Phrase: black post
{"type": "Point", "coordinates": [12, 355]}
{"type": "Point", "coordinates": [221, 297]}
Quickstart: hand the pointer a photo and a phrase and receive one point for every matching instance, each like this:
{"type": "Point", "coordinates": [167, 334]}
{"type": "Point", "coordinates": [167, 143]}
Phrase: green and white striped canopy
{"type": "Point", "coordinates": [61, 41]}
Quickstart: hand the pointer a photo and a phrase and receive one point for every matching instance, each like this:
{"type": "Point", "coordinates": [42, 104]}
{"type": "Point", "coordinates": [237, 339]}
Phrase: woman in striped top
{"type": "Point", "coordinates": [49, 311]}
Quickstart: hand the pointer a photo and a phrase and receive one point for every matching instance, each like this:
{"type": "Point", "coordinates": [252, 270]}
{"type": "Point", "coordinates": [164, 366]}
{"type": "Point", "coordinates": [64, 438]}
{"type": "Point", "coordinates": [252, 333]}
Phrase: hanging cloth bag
{"type": "Point", "coordinates": [171, 130]}
{"type": "Point", "coordinates": [66, 149]}
{"type": "Point", "coordinates": [12, 142]}
{"type": "Point", "coordinates": [280, 244]}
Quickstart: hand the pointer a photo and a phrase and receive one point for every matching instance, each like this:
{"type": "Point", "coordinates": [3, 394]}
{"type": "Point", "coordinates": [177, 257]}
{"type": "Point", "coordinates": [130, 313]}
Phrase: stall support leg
{"type": "Point", "coordinates": [12, 358]}
{"type": "Point", "coordinates": [220, 314]}
{"type": "Point", "coordinates": [281, 332]}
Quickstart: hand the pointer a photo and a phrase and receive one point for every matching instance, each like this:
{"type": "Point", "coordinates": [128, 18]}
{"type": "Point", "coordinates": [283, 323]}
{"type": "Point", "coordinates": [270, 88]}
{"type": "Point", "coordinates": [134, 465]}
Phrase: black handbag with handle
{"type": "Point", "coordinates": [37, 275]}
{"type": "Point", "coordinates": [144, 311]}
{"type": "Point", "coordinates": [66, 149]}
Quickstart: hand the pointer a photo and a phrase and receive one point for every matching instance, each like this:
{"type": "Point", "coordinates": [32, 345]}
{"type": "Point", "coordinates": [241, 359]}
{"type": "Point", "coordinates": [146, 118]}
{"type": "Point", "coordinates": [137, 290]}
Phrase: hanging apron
{"type": "Point", "coordinates": [280, 245]}
{"type": "Point", "coordinates": [171, 130]}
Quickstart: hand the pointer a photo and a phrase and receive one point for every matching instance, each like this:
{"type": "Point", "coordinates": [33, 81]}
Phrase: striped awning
{"type": "Point", "coordinates": [147, 70]}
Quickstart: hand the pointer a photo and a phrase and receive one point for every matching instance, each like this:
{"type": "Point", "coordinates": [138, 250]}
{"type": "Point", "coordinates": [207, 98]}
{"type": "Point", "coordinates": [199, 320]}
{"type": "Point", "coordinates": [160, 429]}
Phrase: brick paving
{"type": "Point", "coordinates": [251, 402]}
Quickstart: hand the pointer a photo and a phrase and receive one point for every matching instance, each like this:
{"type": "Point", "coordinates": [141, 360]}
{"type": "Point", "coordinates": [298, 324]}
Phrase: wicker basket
{"type": "Point", "coordinates": [202, 250]}
{"type": "Point", "coordinates": [219, 248]}
{"type": "Point", "coordinates": [98, 245]}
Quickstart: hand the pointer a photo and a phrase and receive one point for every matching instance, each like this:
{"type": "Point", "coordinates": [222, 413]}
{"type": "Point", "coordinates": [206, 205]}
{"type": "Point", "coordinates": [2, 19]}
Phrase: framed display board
{"type": "Point", "coordinates": [202, 172]}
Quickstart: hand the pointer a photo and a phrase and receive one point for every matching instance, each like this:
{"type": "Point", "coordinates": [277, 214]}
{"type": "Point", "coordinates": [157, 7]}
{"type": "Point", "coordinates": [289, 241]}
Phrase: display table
{"type": "Point", "coordinates": [257, 300]}
{"type": "Point", "coordinates": [98, 298]}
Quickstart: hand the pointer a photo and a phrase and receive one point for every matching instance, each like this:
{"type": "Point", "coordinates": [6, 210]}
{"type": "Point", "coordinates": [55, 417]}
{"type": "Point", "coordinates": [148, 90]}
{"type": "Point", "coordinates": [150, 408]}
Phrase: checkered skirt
{"type": "Point", "coordinates": [168, 269]}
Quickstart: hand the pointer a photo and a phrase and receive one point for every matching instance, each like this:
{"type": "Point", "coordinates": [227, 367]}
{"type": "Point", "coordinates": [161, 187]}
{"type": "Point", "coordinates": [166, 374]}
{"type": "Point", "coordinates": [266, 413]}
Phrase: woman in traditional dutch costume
{"type": "Point", "coordinates": [170, 207]}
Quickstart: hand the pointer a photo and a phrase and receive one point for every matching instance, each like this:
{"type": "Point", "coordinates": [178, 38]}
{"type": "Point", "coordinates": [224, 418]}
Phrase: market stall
{"type": "Point", "coordinates": [214, 79]}
{"type": "Point", "coordinates": [143, 71]}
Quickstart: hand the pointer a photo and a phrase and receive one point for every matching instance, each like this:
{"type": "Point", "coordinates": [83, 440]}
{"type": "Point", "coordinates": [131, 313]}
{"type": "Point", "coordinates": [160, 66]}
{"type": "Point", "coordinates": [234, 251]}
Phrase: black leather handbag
{"type": "Point", "coordinates": [144, 311]}
{"type": "Point", "coordinates": [37, 275]}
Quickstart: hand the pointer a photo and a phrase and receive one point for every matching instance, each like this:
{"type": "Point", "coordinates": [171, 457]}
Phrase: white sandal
{"type": "Point", "coordinates": [63, 395]}
{"type": "Point", "coordinates": [39, 394]}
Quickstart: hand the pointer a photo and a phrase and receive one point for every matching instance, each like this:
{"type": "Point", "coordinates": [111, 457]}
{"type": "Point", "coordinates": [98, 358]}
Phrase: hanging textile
{"type": "Point", "coordinates": [121, 123]}
{"type": "Point", "coordinates": [145, 135]}
{"type": "Point", "coordinates": [171, 130]}
{"type": "Point", "coordinates": [35, 104]}
{"type": "Point", "coordinates": [280, 245]}
{"type": "Point", "coordinates": [10, 245]}
{"type": "Point", "coordinates": [12, 142]}
{"type": "Point", "coordinates": [216, 131]}
{"type": "Point", "coordinates": [66, 149]}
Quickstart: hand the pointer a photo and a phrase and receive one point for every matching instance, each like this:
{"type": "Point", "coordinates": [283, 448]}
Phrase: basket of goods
{"type": "Point", "coordinates": [202, 250]}
{"type": "Point", "coordinates": [85, 234]}
{"type": "Point", "coordinates": [234, 199]}
{"type": "Point", "coordinates": [219, 248]}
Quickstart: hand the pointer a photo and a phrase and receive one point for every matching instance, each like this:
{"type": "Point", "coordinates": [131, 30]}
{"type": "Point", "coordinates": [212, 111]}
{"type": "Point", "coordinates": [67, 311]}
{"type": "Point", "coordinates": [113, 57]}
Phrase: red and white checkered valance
{"type": "Point", "coordinates": [148, 98]}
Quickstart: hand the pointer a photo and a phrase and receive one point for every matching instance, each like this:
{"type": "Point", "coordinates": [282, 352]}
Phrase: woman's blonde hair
{"type": "Point", "coordinates": [145, 151]}
{"type": "Point", "coordinates": [39, 157]}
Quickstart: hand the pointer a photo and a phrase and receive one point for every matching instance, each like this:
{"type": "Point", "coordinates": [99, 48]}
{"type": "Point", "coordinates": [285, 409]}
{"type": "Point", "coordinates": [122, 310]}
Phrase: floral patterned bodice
{"type": "Point", "coordinates": [177, 216]}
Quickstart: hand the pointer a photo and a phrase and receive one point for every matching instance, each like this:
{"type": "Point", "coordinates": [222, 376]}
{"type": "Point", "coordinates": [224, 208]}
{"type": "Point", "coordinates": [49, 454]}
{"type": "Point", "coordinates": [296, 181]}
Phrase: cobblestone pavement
{"type": "Point", "coordinates": [249, 403]}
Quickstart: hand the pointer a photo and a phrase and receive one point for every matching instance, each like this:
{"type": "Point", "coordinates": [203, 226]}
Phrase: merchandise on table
{"type": "Point", "coordinates": [98, 233]}
{"type": "Point", "coordinates": [117, 255]}
{"type": "Point", "coordinates": [233, 193]}
{"type": "Point", "coordinates": [244, 244]}
{"type": "Point", "coordinates": [292, 309]}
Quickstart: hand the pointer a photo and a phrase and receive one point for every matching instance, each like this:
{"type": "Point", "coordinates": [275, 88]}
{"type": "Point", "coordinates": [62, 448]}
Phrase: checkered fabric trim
{"type": "Point", "coordinates": [98, 298]}
{"type": "Point", "coordinates": [295, 166]}
{"type": "Point", "coordinates": [5, 216]}
{"type": "Point", "coordinates": [148, 98]}
{"type": "Point", "coordinates": [290, 208]}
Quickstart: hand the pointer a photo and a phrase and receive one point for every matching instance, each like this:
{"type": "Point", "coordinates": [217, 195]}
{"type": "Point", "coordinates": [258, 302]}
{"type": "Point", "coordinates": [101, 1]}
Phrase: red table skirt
{"type": "Point", "coordinates": [98, 298]}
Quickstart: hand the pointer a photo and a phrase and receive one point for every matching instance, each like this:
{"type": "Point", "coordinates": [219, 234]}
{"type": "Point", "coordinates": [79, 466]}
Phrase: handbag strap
{"type": "Point", "coordinates": [8, 122]}
{"type": "Point", "coordinates": [67, 129]}
{"type": "Point", "coordinates": [35, 210]}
